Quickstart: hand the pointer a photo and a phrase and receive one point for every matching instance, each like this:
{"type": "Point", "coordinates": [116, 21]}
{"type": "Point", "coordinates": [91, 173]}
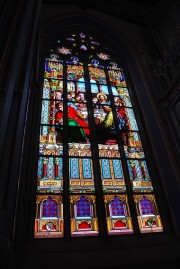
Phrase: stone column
{"type": "Point", "coordinates": [20, 22]}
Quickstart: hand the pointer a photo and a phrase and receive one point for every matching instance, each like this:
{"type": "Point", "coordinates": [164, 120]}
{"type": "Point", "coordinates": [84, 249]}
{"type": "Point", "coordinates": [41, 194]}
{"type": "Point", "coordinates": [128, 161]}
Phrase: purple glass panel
{"type": "Point", "coordinates": [49, 208]}
{"type": "Point", "coordinates": [117, 207]}
{"type": "Point", "coordinates": [83, 207]}
{"type": "Point", "coordinates": [146, 206]}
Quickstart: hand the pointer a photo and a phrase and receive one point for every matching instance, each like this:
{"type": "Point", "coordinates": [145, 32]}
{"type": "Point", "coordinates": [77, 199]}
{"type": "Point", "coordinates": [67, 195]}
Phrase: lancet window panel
{"type": "Point", "coordinates": [75, 71]}
{"type": "Point", "coordinates": [148, 216]}
{"type": "Point", "coordinates": [49, 222]}
{"type": "Point", "coordinates": [118, 215]}
{"type": "Point", "coordinates": [133, 145]}
{"type": "Point", "coordinates": [139, 176]}
{"type": "Point", "coordinates": [50, 175]}
{"type": "Point", "coordinates": [112, 175]}
{"type": "Point", "coordinates": [84, 220]}
{"type": "Point", "coordinates": [116, 76]}
{"type": "Point", "coordinates": [53, 67]}
{"type": "Point", "coordinates": [81, 175]}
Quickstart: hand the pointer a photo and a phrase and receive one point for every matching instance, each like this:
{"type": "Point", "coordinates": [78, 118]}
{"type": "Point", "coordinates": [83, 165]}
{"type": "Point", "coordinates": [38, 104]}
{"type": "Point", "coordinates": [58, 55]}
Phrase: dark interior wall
{"type": "Point", "coordinates": [157, 108]}
{"type": "Point", "coordinates": [165, 32]}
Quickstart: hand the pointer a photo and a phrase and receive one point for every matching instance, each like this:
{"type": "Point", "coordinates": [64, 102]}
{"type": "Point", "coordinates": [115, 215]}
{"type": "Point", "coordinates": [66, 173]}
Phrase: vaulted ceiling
{"type": "Point", "coordinates": [140, 12]}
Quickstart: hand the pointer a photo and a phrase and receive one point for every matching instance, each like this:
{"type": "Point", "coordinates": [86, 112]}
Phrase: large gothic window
{"type": "Point", "coordinates": [92, 169]}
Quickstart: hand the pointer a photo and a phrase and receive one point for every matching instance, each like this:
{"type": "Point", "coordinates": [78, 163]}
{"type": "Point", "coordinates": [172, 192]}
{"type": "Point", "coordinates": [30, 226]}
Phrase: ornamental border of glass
{"type": "Point", "coordinates": [92, 170]}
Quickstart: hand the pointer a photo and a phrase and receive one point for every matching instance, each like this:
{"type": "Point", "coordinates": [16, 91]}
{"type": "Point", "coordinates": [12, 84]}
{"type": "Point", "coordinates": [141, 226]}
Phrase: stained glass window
{"type": "Point", "coordinates": [90, 147]}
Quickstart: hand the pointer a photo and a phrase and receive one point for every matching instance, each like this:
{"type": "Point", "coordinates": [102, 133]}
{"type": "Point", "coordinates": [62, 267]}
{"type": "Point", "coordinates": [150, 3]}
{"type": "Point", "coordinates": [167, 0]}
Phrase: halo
{"type": "Point", "coordinates": [100, 93]}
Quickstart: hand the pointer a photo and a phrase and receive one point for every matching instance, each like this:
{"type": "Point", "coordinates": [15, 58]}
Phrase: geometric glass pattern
{"type": "Point", "coordinates": [106, 173]}
{"type": "Point", "coordinates": [146, 206]}
{"type": "Point", "coordinates": [117, 169]}
{"type": "Point", "coordinates": [86, 166]}
{"type": "Point", "coordinates": [117, 207]}
{"type": "Point", "coordinates": [74, 168]}
{"type": "Point", "coordinates": [49, 208]}
{"type": "Point", "coordinates": [83, 207]}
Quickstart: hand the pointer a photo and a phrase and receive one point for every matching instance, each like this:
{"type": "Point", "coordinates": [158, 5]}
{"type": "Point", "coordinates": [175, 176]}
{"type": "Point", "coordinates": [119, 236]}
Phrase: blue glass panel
{"type": "Point", "coordinates": [60, 167]}
{"type": "Point", "coordinates": [94, 88]}
{"type": "Point", "coordinates": [40, 167]}
{"type": "Point", "coordinates": [86, 166]}
{"type": "Point", "coordinates": [46, 89]}
{"type": "Point", "coordinates": [105, 168]}
{"type": "Point", "coordinates": [74, 168]}
{"type": "Point", "coordinates": [50, 168]}
{"type": "Point", "coordinates": [45, 130]}
{"type": "Point", "coordinates": [45, 113]}
{"type": "Point", "coordinates": [104, 89]}
{"type": "Point", "coordinates": [114, 90]}
{"type": "Point", "coordinates": [133, 124]}
{"type": "Point", "coordinates": [117, 169]}
{"type": "Point", "coordinates": [81, 87]}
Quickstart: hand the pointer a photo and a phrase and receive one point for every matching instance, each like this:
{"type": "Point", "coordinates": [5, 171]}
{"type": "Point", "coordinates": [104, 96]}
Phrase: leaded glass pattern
{"type": "Point", "coordinates": [117, 207]}
{"type": "Point", "coordinates": [139, 175]}
{"type": "Point", "coordinates": [81, 175]}
{"type": "Point", "coordinates": [49, 208]}
{"type": "Point", "coordinates": [87, 169]}
{"type": "Point", "coordinates": [50, 174]}
{"type": "Point", "coordinates": [146, 206]}
{"type": "Point", "coordinates": [112, 175]}
{"type": "Point", "coordinates": [53, 67]}
{"type": "Point", "coordinates": [74, 168]}
{"type": "Point", "coordinates": [117, 169]}
{"type": "Point", "coordinates": [90, 140]}
{"type": "Point", "coordinates": [105, 166]}
{"type": "Point", "coordinates": [83, 207]}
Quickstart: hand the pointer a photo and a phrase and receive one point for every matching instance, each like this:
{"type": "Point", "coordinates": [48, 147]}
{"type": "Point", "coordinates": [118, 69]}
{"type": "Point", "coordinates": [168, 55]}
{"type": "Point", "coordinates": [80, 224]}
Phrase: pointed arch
{"type": "Point", "coordinates": [90, 143]}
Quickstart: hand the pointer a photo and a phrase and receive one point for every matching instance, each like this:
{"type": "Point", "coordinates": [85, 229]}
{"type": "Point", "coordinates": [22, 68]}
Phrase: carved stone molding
{"type": "Point", "coordinates": [168, 67]}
